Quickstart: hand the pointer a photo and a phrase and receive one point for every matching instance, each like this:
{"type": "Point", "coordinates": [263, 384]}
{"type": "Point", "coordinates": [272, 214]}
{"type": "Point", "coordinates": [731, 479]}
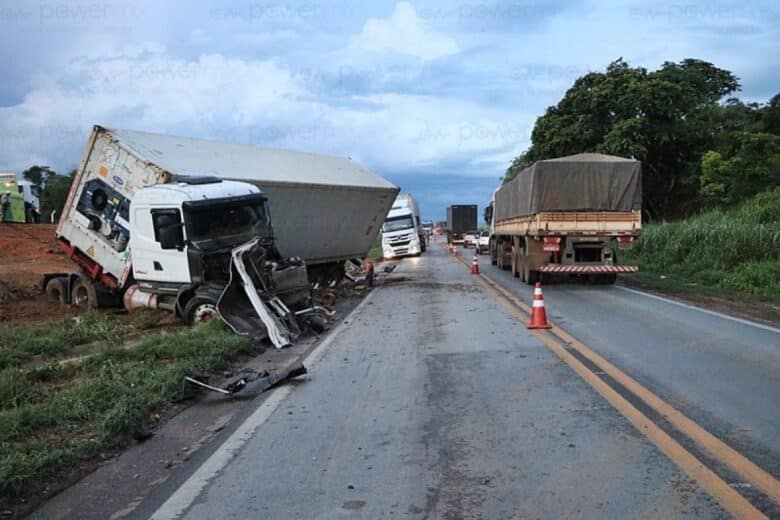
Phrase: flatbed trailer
{"type": "Point", "coordinates": [533, 232]}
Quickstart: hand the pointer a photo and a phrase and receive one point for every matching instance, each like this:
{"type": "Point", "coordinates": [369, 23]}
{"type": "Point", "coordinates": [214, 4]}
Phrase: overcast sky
{"type": "Point", "coordinates": [438, 97]}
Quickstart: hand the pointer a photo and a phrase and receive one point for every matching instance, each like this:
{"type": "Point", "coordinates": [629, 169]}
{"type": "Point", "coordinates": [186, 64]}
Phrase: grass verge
{"type": "Point", "coordinates": [733, 253]}
{"type": "Point", "coordinates": [52, 419]}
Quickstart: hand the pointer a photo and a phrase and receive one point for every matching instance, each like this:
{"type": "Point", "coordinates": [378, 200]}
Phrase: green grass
{"type": "Point", "coordinates": [50, 418]}
{"type": "Point", "coordinates": [735, 250]}
{"type": "Point", "coordinates": [19, 344]}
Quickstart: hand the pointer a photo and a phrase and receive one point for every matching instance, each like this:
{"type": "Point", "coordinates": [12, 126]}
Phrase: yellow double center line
{"type": "Point", "coordinates": [559, 341]}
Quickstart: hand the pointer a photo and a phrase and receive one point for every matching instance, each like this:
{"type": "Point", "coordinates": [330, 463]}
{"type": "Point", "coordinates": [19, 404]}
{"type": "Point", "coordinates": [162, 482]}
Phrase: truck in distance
{"type": "Point", "coordinates": [145, 231]}
{"type": "Point", "coordinates": [25, 204]}
{"type": "Point", "coordinates": [461, 218]}
{"type": "Point", "coordinates": [402, 231]}
{"type": "Point", "coordinates": [568, 215]}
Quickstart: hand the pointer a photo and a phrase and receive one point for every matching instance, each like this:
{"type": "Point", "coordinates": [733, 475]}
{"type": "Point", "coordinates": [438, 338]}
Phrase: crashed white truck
{"type": "Point", "coordinates": [325, 210]}
{"type": "Point", "coordinates": [152, 234]}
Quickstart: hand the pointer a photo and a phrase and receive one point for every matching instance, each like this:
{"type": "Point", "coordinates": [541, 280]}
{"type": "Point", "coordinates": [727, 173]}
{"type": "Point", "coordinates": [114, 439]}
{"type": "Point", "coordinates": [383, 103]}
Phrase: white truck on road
{"type": "Point", "coordinates": [402, 232]}
{"type": "Point", "coordinates": [569, 216]}
{"type": "Point", "coordinates": [164, 237]}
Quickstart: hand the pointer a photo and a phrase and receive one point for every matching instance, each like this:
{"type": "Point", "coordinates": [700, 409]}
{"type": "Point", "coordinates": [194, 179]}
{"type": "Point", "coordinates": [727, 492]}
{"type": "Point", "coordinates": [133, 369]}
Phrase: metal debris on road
{"type": "Point", "coordinates": [248, 382]}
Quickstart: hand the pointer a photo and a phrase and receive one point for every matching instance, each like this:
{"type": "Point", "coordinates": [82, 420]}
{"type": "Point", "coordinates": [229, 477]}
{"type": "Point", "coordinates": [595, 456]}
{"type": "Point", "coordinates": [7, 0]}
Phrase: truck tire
{"type": "Point", "coordinates": [200, 310]}
{"type": "Point", "coordinates": [57, 291]}
{"type": "Point", "coordinates": [522, 269]}
{"type": "Point", "coordinates": [83, 294]}
{"type": "Point", "coordinates": [515, 262]}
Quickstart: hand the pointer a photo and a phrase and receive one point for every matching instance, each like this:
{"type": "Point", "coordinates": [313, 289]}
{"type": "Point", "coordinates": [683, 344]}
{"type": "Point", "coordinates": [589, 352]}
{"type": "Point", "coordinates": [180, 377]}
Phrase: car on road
{"type": "Point", "coordinates": [483, 242]}
{"type": "Point", "coordinates": [470, 239]}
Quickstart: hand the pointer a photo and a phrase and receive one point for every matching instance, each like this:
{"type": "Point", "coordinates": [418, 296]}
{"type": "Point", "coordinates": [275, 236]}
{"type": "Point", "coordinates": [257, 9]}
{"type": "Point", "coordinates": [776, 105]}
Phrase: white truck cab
{"type": "Point", "coordinates": [402, 232]}
{"type": "Point", "coordinates": [167, 220]}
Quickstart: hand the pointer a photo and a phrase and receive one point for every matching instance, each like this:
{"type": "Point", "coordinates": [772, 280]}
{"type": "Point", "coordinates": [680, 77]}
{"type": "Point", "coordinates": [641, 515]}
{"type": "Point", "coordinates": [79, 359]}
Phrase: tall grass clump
{"type": "Point", "coordinates": [736, 249]}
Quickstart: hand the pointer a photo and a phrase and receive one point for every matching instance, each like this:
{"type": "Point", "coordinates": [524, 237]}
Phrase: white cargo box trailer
{"type": "Point", "coordinates": [324, 209]}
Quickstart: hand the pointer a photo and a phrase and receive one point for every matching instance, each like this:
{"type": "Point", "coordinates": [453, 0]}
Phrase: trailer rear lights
{"type": "Point", "coordinates": [625, 242]}
{"type": "Point", "coordinates": [552, 244]}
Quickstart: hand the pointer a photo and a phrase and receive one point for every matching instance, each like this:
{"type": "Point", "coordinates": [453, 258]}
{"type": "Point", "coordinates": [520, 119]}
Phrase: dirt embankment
{"type": "Point", "coordinates": [27, 251]}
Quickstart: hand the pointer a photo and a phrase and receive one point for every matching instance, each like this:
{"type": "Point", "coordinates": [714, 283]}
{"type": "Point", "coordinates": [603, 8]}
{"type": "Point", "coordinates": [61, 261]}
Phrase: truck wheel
{"type": "Point", "coordinates": [533, 277]}
{"type": "Point", "coordinates": [515, 267]}
{"type": "Point", "coordinates": [200, 310]}
{"type": "Point", "coordinates": [56, 291]}
{"type": "Point", "coordinates": [83, 294]}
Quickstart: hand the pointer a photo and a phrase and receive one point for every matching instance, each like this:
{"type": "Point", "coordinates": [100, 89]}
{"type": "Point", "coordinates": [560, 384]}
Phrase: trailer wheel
{"type": "Point", "coordinates": [56, 291]}
{"type": "Point", "coordinates": [200, 310]}
{"type": "Point", "coordinates": [83, 294]}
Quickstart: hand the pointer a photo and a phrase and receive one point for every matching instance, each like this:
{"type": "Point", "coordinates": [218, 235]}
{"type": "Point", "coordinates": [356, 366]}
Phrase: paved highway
{"type": "Point", "coordinates": [721, 372]}
{"type": "Point", "coordinates": [436, 402]}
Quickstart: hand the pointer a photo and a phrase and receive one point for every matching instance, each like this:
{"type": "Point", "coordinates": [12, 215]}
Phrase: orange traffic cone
{"type": "Point", "coordinates": [475, 266]}
{"type": "Point", "coordinates": [538, 314]}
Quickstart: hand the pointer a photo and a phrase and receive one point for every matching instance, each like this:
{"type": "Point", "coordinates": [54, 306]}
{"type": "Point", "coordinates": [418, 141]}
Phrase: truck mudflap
{"type": "Point", "coordinates": [249, 306]}
{"type": "Point", "coordinates": [587, 269]}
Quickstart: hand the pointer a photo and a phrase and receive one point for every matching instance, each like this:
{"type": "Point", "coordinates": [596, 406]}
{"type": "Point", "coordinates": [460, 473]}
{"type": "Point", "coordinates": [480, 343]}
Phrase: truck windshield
{"type": "Point", "coordinates": [398, 223]}
{"type": "Point", "coordinates": [225, 221]}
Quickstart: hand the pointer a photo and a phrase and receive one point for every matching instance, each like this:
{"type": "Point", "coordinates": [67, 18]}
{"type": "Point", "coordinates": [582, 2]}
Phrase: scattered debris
{"type": "Point", "coordinates": [247, 382]}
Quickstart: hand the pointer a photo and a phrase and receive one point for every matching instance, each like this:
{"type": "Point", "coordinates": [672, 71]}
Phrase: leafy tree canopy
{"type": "Point", "coordinates": [37, 174]}
{"type": "Point", "coordinates": [669, 119]}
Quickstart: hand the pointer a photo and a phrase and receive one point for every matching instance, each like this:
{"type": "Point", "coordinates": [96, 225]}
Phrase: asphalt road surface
{"type": "Point", "coordinates": [436, 402]}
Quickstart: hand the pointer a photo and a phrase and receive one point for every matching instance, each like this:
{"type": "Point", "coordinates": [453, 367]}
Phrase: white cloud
{"type": "Point", "coordinates": [249, 101]}
{"type": "Point", "coordinates": [403, 33]}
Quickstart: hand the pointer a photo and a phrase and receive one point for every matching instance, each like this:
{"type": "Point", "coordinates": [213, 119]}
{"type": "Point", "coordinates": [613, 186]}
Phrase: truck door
{"type": "Point", "coordinates": [157, 245]}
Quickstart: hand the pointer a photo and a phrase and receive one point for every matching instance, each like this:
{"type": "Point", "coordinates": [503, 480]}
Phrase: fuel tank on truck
{"type": "Point", "coordinates": [323, 209]}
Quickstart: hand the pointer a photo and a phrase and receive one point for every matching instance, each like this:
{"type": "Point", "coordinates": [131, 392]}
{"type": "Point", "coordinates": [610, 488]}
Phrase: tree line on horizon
{"type": "Point", "coordinates": [697, 151]}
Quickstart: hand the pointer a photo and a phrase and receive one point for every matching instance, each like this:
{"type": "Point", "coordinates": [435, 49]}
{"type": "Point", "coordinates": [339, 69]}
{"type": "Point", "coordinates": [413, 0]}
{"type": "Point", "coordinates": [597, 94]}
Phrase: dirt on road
{"type": "Point", "coordinates": [27, 251]}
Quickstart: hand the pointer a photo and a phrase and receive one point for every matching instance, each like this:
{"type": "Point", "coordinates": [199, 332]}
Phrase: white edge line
{"type": "Point", "coordinates": [188, 492]}
{"type": "Point", "coordinates": [706, 311]}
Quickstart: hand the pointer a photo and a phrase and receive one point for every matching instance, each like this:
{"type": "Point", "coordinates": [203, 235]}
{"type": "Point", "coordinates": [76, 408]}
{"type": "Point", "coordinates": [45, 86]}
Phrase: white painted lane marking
{"type": "Point", "coordinates": [706, 311]}
{"type": "Point", "coordinates": [188, 492]}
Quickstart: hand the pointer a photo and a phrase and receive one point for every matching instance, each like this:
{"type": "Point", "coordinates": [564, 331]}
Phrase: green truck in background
{"type": "Point", "coordinates": [25, 203]}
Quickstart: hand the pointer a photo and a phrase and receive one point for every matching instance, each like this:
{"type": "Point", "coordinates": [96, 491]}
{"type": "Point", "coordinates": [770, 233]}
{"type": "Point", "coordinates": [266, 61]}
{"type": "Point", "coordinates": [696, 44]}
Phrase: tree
{"type": "Point", "coordinates": [38, 174]}
{"type": "Point", "coordinates": [662, 118]}
{"type": "Point", "coordinates": [54, 194]}
{"type": "Point", "coordinates": [749, 167]}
